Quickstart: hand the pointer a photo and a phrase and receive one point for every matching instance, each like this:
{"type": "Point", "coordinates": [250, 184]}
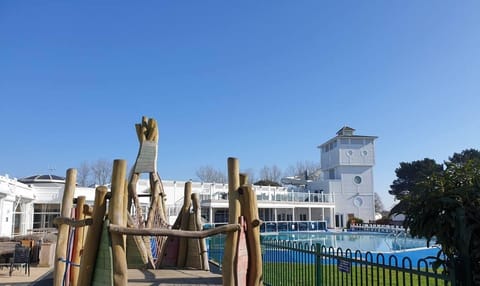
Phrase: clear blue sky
{"type": "Point", "coordinates": [264, 81]}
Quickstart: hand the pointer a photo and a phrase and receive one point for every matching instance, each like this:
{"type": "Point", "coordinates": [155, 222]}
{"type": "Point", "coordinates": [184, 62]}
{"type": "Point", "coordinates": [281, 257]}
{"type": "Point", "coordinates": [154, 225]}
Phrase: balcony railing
{"type": "Point", "coordinates": [273, 196]}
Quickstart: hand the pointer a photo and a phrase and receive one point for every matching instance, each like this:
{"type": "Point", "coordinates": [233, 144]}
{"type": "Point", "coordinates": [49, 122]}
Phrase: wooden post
{"type": "Point", "coordinates": [78, 241]}
{"type": "Point", "coordinates": [133, 198]}
{"type": "Point", "coordinates": [63, 229]}
{"type": "Point", "coordinates": [125, 211]}
{"type": "Point", "coordinates": [93, 237]}
{"type": "Point", "coordinates": [243, 179]}
{"type": "Point", "coordinates": [155, 202]}
{"type": "Point", "coordinates": [198, 226]}
{"type": "Point", "coordinates": [116, 216]}
{"type": "Point", "coordinates": [231, 241]}
{"type": "Point", "coordinates": [248, 201]}
{"type": "Point", "coordinates": [183, 243]}
{"type": "Point", "coordinates": [159, 219]}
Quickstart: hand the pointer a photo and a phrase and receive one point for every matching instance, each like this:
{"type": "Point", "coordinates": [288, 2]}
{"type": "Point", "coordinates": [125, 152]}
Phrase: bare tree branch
{"type": "Point", "coordinates": [211, 175]}
{"type": "Point", "coordinates": [83, 174]}
{"type": "Point", "coordinates": [102, 172]}
{"type": "Point", "coordinates": [273, 173]}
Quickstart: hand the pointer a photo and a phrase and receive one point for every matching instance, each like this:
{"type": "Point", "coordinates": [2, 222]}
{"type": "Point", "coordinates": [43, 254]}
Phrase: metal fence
{"type": "Point", "coordinates": [292, 263]}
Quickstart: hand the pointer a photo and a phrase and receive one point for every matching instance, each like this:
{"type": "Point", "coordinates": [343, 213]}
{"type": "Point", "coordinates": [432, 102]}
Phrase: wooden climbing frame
{"type": "Point", "coordinates": [242, 244]}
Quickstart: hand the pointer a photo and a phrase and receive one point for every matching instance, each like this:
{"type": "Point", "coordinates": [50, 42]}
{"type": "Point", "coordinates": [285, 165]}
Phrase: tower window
{"type": "Point", "coordinates": [357, 141]}
{"type": "Point", "coordinates": [357, 180]}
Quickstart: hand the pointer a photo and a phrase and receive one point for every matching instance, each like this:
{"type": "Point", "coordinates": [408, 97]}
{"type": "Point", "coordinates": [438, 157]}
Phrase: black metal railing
{"type": "Point", "coordinates": [292, 263]}
{"type": "Point", "coordinates": [297, 263]}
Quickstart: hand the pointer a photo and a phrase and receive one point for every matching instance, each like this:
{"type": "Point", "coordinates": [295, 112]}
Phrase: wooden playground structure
{"type": "Point", "coordinates": [103, 244]}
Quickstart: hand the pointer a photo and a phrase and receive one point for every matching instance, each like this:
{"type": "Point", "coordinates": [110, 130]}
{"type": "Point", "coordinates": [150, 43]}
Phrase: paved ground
{"type": "Point", "coordinates": [19, 278]}
{"type": "Point", "coordinates": [41, 276]}
{"type": "Point", "coordinates": [172, 277]}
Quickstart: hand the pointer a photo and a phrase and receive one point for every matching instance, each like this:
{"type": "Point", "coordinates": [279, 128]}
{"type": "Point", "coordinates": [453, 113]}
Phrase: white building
{"type": "Point", "coordinates": [345, 189]}
{"type": "Point", "coordinates": [347, 162]}
{"type": "Point", "coordinates": [16, 205]}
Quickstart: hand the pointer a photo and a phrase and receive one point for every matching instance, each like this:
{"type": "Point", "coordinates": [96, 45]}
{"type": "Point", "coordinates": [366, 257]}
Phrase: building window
{"type": "Point", "coordinates": [330, 146]}
{"type": "Point", "coordinates": [331, 174]}
{"type": "Point", "coordinates": [44, 215]}
{"type": "Point", "coordinates": [221, 216]}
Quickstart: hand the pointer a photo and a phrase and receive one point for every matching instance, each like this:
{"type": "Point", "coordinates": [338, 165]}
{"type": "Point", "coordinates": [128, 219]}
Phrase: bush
{"type": "Point", "coordinates": [354, 220]}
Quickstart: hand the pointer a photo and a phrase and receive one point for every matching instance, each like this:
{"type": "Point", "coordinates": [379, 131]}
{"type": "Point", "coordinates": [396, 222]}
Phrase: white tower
{"type": "Point", "coordinates": [347, 162]}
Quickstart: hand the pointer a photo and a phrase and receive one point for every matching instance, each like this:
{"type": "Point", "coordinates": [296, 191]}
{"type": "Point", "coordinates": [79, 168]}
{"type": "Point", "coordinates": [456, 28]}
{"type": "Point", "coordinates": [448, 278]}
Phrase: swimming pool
{"type": "Point", "coordinates": [400, 246]}
{"type": "Point", "coordinates": [388, 245]}
{"type": "Point", "coordinates": [363, 241]}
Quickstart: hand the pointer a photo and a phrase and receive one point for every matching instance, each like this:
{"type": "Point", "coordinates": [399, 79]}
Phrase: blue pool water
{"type": "Point", "coordinates": [363, 241]}
{"type": "Point", "coordinates": [391, 249]}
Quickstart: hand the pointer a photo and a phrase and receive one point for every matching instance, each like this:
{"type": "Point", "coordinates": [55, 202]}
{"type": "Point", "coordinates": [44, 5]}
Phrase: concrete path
{"type": "Point", "coordinates": [42, 276]}
{"type": "Point", "coordinates": [172, 277]}
{"type": "Point", "coordinates": [19, 278]}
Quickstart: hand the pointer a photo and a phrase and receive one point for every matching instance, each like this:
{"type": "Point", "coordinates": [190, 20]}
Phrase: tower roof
{"type": "Point", "coordinates": [345, 131]}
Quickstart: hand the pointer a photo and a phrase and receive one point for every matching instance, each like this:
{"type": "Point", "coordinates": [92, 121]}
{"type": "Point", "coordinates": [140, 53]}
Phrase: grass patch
{"type": "Point", "coordinates": [305, 274]}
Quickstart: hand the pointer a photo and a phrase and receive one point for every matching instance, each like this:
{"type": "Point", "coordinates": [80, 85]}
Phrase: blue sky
{"type": "Point", "coordinates": [264, 81]}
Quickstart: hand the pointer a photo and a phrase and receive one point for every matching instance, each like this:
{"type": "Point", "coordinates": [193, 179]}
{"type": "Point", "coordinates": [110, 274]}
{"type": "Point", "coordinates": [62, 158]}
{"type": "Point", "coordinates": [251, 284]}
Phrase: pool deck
{"type": "Point", "coordinates": [43, 276]}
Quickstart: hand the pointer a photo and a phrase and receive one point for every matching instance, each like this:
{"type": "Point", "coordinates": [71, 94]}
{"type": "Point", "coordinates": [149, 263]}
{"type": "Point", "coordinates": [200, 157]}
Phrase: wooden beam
{"type": "Point", "coordinates": [174, 232]}
{"type": "Point", "coordinates": [72, 222]}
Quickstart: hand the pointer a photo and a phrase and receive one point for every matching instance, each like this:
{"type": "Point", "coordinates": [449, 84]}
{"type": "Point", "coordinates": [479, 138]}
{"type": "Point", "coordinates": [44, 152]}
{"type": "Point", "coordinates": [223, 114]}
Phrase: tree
{"type": "Point", "coordinates": [379, 208]}
{"type": "Point", "coordinates": [409, 174]}
{"type": "Point", "coordinates": [446, 206]}
{"type": "Point", "coordinates": [308, 169]}
{"type": "Point", "coordinates": [83, 174]}
{"type": "Point", "coordinates": [102, 171]}
{"type": "Point", "coordinates": [465, 156]}
{"type": "Point", "coordinates": [273, 174]}
{"type": "Point", "coordinates": [99, 173]}
{"type": "Point", "coordinates": [211, 175]}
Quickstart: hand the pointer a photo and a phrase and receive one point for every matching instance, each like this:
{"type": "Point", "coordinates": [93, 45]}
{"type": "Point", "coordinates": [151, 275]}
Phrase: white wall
{"type": "Point", "coordinates": [6, 217]}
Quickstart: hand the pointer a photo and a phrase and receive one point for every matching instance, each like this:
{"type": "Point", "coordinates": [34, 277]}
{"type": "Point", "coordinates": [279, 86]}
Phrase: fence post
{"type": "Point", "coordinates": [318, 264]}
